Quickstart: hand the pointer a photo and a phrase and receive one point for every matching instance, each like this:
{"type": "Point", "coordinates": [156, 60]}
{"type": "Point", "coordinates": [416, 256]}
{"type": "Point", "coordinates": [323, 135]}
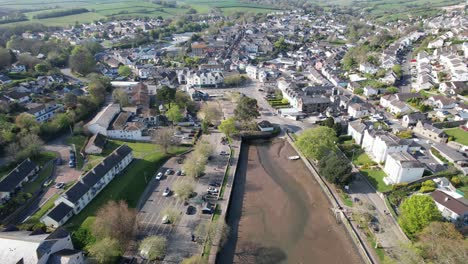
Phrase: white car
{"type": "Point", "coordinates": [212, 189]}
{"type": "Point", "coordinates": [165, 220]}
{"type": "Point", "coordinates": [166, 192]}
{"type": "Point", "coordinates": [59, 185]}
{"type": "Point", "coordinates": [159, 176]}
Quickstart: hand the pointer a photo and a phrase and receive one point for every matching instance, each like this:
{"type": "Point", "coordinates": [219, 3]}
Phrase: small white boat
{"type": "Point", "coordinates": [294, 157]}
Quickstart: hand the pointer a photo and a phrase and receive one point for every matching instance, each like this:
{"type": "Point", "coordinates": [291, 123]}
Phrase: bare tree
{"type": "Point", "coordinates": [216, 232]}
{"type": "Point", "coordinates": [165, 138]}
{"type": "Point", "coordinates": [184, 189]}
{"type": "Point", "coordinates": [115, 220]}
{"type": "Point", "coordinates": [153, 247]}
{"type": "Point", "coordinates": [210, 112]}
{"type": "Point", "coordinates": [194, 165]}
{"type": "Point", "coordinates": [120, 96]}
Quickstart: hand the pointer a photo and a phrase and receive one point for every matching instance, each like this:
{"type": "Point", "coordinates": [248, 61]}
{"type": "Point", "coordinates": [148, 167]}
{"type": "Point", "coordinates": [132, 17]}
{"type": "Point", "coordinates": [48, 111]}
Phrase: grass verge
{"type": "Point", "coordinates": [376, 176]}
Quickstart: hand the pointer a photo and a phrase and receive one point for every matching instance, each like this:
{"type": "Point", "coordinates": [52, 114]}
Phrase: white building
{"type": "Point", "coordinates": [379, 144]}
{"type": "Point", "coordinates": [356, 130]}
{"type": "Point", "coordinates": [103, 119]}
{"type": "Point", "coordinates": [205, 79]}
{"type": "Point", "coordinates": [44, 112]}
{"type": "Point", "coordinates": [252, 71]}
{"type": "Point", "coordinates": [402, 167]}
{"type": "Point", "coordinates": [89, 186]}
{"type": "Point", "coordinates": [28, 248]}
{"type": "Point", "coordinates": [451, 208]}
{"type": "Point", "coordinates": [357, 110]}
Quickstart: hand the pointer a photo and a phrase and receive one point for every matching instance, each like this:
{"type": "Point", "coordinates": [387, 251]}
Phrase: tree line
{"type": "Point", "coordinates": [61, 13]}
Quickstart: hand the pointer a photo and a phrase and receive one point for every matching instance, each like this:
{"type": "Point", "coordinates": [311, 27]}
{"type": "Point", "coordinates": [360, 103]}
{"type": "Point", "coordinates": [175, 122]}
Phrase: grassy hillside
{"type": "Point", "coordinates": [121, 8]}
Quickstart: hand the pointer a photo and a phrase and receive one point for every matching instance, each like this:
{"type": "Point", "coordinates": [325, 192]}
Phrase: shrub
{"type": "Point", "coordinates": [455, 181]}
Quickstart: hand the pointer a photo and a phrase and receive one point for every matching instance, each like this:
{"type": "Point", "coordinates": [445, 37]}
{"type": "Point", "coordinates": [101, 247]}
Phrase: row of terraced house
{"type": "Point", "coordinates": [89, 186]}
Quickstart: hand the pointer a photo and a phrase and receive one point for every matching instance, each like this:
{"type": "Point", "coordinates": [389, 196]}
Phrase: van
{"type": "Point", "coordinates": [165, 220]}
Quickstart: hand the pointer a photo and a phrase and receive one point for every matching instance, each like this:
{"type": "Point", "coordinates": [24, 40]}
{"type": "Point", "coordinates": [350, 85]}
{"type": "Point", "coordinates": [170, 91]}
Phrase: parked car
{"type": "Point", "coordinates": [190, 210]}
{"type": "Point", "coordinates": [212, 190]}
{"type": "Point", "coordinates": [159, 176]}
{"type": "Point", "coordinates": [169, 172]}
{"type": "Point", "coordinates": [166, 220]}
{"type": "Point", "coordinates": [178, 173]}
{"type": "Point", "coordinates": [47, 183]}
{"type": "Point", "coordinates": [71, 164]}
{"type": "Point", "coordinates": [180, 160]}
{"type": "Point", "coordinates": [208, 208]}
{"type": "Point", "coordinates": [166, 192]}
{"type": "Point", "coordinates": [223, 153]}
{"type": "Point", "coordinates": [59, 185]}
{"type": "Point", "coordinates": [215, 184]}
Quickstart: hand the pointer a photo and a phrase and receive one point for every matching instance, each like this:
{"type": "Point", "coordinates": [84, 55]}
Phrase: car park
{"type": "Point", "coordinates": [166, 192]}
{"type": "Point", "coordinates": [159, 176]}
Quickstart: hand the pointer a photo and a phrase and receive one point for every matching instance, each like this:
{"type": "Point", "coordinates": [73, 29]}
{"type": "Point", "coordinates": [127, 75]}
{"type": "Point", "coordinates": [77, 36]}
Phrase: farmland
{"type": "Point", "coordinates": [101, 9]}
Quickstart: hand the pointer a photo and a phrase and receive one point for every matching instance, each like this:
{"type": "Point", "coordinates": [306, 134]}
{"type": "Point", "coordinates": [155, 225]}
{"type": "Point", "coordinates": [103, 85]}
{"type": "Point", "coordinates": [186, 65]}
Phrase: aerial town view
{"type": "Point", "coordinates": [233, 131]}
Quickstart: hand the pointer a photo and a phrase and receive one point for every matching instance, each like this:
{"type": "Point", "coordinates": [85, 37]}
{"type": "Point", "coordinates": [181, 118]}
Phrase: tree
{"type": "Point", "coordinates": [442, 243]}
{"type": "Point", "coordinates": [26, 122]}
{"type": "Point", "coordinates": [397, 70]}
{"type": "Point", "coordinates": [70, 100]}
{"type": "Point", "coordinates": [184, 189]}
{"type": "Point", "coordinates": [124, 71]}
{"type": "Point", "coordinates": [120, 96]}
{"type": "Point", "coordinates": [416, 212]}
{"type": "Point", "coordinates": [93, 47]}
{"type": "Point", "coordinates": [246, 109]}
{"type": "Point", "coordinates": [5, 58]}
{"type": "Point", "coordinates": [336, 169]}
{"type": "Point", "coordinates": [164, 137]}
{"type": "Point", "coordinates": [174, 114]}
{"type": "Point", "coordinates": [194, 165]}
{"type": "Point", "coordinates": [359, 91]}
{"type": "Point", "coordinates": [153, 247]}
{"type": "Point", "coordinates": [166, 95]}
{"type": "Point", "coordinates": [41, 68]}
{"type": "Point", "coordinates": [29, 61]}
{"type": "Point", "coordinates": [97, 91]}
{"type": "Point", "coordinates": [115, 220]}
{"type": "Point", "coordinates": [228, 126]}
{"type": "Point", "coordinates": [210, 112]}
{"type": "Point", "coordinates": [82, 61]}
{"type": "Point", "coordinates": [315, 143]}
{"type": "Point", "coordinates": [105, 250]}
{"type": "Point", "coordinates": [235, 80]}
{"type": "Point", "coordinates": [172, 214]}
{"type": "Point", "coordinates": [210, 230]}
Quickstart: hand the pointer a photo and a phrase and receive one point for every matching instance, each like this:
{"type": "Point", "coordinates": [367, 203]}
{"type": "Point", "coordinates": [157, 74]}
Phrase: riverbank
{"type": "Point", "coordinates": [279, 213]}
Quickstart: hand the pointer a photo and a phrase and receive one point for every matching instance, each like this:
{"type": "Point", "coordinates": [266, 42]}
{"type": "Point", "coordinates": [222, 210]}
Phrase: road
{"type": "Point", "coordinates": [390, 236]}
{"type": "Point", "coordinates": [405, 82]}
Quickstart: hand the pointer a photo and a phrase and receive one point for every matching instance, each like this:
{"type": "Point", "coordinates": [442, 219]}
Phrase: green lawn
{"type": "Point", "coordinates": [375, 176]}
{"type": "Point", "coordinates": [131, 184]}
{"type": "Point", "coordinates": [79, 142]}
{"type": "Point", "coordinates": [43, 210]}
{"type": "Point", "coordinates": [458, 134]}
{"type": "Point", "coordinates": [32, 187]}
{"type": "Point", "coordinates": [362, 159]}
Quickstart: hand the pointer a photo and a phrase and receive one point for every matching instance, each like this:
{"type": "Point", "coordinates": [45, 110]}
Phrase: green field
{"type": "Point", "coordinates": [458, 134]}
{"type": "Point", "coordinates": [100, 9]}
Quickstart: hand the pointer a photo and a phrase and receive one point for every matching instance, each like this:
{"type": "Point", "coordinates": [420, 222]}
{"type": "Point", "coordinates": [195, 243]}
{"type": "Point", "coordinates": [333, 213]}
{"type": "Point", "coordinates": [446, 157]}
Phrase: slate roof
{"type": "Point", "coordinates": [449, 202]}
{"type": "Point", "coordinates": [18, 174]}
{"type": "Point", "coordinates": [95, 174]}
{"type": "Point", "coordinates": [59, 212]}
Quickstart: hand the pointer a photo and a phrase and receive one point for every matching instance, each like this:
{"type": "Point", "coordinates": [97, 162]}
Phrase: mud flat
{"type": "Point", "coordinates": [278, 213]}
